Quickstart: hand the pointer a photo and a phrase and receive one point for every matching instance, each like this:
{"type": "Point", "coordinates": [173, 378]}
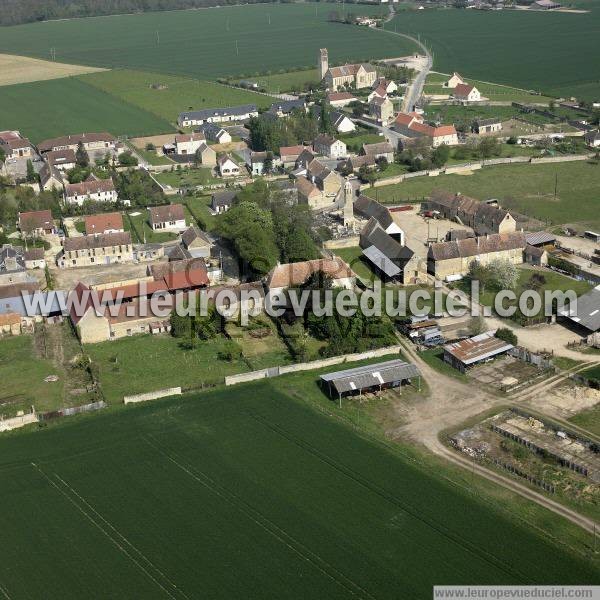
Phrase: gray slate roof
{"type": "Point", "coordinates": [587, 311]}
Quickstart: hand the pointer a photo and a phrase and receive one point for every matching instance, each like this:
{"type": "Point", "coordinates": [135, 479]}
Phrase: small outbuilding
{"type": "Point", "coordinates": [468, 353]}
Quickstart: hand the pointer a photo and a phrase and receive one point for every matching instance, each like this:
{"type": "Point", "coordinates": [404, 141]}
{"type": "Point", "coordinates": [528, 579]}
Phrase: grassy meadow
{"type": "Point", "coordinates": [65, 106]}
{"type": "Point", "coordinates": [180, 93]}
{"type": "Point", "coordinates": [237, 41]}
{"type": "Point", "coordinates": [178, 495]}
{"type": "Point", "coordinates": [527, 188]}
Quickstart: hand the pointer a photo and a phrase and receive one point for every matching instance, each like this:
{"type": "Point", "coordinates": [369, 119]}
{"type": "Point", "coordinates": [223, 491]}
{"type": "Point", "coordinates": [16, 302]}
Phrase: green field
{"type": "Point", "coordinates": [236, 41]}
{"type": "Point", "coordinates": [46, 109]}
{"type": "Point", "coordinates": [181, 93]}
{"type": "Point", "coordinates": [491, 91]}
{"type": "Point", "coordinates": [528, 189]}
{"type": "Point", "coordinates": [520, 48]}
{"type": "Point", "coordinates": [187, 177]}
{"type": "Point", "coordinates": [248, 493]}
{"type": "Point", "coordinates": [285, 82]}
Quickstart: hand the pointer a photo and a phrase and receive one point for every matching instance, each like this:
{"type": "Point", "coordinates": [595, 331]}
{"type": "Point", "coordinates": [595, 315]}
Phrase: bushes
{"type": "Point", "coordinates": [507, 335]}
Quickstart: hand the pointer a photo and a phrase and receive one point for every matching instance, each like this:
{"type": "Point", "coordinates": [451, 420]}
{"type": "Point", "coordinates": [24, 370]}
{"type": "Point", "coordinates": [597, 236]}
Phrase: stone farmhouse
{"type": "Point", "coordinates": [14, 145]}
{"type": "Point", "coordinates": [196, 243]}
{"type": "Point", "coordinates": [96, 190]}
{"type": "Point", "coordinates": [382, 110]}
{"type": "Point", "coordinates": [452, 260]}
{"type": "Point", "coordinates": [319, 187]}
{"type": "Point", "coordinates": [90, 250]}
{"type": "Point", "coordinates": [358, 75]}
{"type": "Point", "coordinates": [217, 115]}
{"type": "Point", "coordinates": [412, 125]}
{"type": "Point", "coordinates": [90, 141]}
{"type": "Point", "coordinates": [15, 261]}
{"type": "Point", "coordinates": [481, 217]}
{"type": "Point", "coordinates": [167, 217]}
{"type": "Point", "coordinates": [50, 178]}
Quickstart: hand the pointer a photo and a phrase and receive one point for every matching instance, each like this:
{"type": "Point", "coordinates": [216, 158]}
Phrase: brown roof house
{"type": "Point", "coordinates": [167, 217]}
{"type": "Point", "coordinates": [37, 222]}
{"type": "Point", "coordinates": [379, 150]}
{"type": "Point", "coordinates": [296, 274]}
{"type": "Point", "coordinates": [381, 109]}
{"type": "Point", "coordinates": [196, 242]}
{"type": "Point", "coordinates": [90, 250]}
{"type": "Point", "coordinates": [320, 187]}
{"type": "Point", "coordinates": [104, 223]}
{"type": "Point", "coordinates": [452, 260]}
{"type": "Point", "coordinates": [90, 141]}
{"type": "Point", "coordinates": [329, 146]}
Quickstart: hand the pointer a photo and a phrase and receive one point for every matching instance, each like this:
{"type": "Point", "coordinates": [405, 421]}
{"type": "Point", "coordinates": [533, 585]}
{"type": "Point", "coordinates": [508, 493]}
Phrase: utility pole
{"type": "Point", "coordinates": [237, 49]}
{"type": "Point", "coordinates": [555, 184]}
{"type": "Point", "coordinates": [157, 39]}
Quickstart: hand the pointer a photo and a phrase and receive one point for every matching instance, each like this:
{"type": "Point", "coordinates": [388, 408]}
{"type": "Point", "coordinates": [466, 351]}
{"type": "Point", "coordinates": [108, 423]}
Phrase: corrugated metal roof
{"type": "Point", "coordinates": [587, 311]}
{"type": "Point", "coordinates": [537, 238]}
{"type": "Point", "coordinates": [368, 376]}
{"type": "Point", "coordinates": [478, 348]}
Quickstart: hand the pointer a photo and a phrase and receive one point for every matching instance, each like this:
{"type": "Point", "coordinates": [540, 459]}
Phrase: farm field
{"type": "Point", "coordinates": [181, 93]}
{"type": "Point", "coordinates": [234, 38]}
{"type": "Point", "coordinates": [520, 48]}
{"type": "Point", "coordinates": [180, 494]}
{"type": "Point", "coordinates": [22, 69]}
{"type": "Point", "coordinates": [527, 188]}
{"type": "Point", "coordinates": [65, 106]}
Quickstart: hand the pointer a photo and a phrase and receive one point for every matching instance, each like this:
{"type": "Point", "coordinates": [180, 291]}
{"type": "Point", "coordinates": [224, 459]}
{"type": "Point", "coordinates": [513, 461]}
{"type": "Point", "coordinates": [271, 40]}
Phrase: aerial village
{"type": "Point", "coordinates": [130, 226]}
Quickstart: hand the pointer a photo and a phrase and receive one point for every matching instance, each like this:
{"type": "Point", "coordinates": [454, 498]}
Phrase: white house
{"type": "Point", "coordinates": [466, 93]}
{"type": "Point", "coordinates": [227, 166]}
{"type": "Point", "coordinates": [96, 190]}
{"type": "Point", "coordinates": [215, 133]}
{"type": "Point", "coordinates": [167, 217]}
{"type": "Point", "coordinates": [217, 115]}
{"type": "Point", "coordinates": [188, 143]}
{"type": "Point", "coordinates": [386, 84]}
{"type": "Point", "coordinates": [327, 145]}
{"type": "Point", "coordinates": [342, 123]}
{"type": "Point", "coordinates": [592, 138]}
{"type": "Point", "coordinates": [455, 79]}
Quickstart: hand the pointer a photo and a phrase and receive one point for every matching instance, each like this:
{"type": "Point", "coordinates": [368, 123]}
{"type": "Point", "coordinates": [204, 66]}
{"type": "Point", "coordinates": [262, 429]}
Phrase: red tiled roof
{"type": "Point", "coordinates": [335, 96]}
{"type": "Point", "coordinates": [103, 223]}
{"type": "Point", "coordinates": [463, 89]}
{"type": "Point", "coordinates": [298, 273]}
{"type": "Point", "coordinates": [290, 150]}
{"type": "Point", "coordinates": [90, 186]}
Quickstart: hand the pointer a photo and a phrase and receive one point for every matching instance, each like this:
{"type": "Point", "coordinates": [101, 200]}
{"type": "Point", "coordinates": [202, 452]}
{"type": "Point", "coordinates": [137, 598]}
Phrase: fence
{"type": "Point", "coordinates": [539, 360]}
{"type": "Point", "coordinates": [73, 410]}
{"type": "Point", "coordinates": [174, 391]}
{"type": "Point", "coordinates": [19, 421]}
{"type": "Point", "coordinates": [309, 366]}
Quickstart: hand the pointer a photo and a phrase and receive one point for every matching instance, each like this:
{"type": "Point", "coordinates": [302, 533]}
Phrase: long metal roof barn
{"type": "Point", "coordinates": [587, 311]}
{"type": "Point", "coordinates": [478, 348]}
{"type": "Point", "coordinates": [369, 376]}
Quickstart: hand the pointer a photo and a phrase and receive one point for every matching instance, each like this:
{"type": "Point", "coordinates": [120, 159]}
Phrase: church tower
{"type": "Point", "coordinates": [348, 209]}
{"type": "Point", "coordinates": [323, 64]}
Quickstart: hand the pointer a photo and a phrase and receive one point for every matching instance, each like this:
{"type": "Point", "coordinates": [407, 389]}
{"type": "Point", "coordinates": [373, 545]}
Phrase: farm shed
{"type": "Point", "coordinates": [467, 353]}
{"type": "Point", "coordinates": [392, 373]}
{"type": "Point", "coordinates": [587, 313]}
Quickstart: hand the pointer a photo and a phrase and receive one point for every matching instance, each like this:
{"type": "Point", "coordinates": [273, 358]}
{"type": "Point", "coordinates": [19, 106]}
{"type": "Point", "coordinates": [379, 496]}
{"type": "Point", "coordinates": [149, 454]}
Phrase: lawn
{"type": "Point", "coordinates": [236, 41]}
{"type": "Point", "coordinates": [491, 91]}
{"type": "Point", "coordinates": [186, 177]}
{"type": "Point", "coordinates": [353, 256]}
{"type": "Point", "coordinates": [289, 81]}
{"type": "Point", "coordinates": [355, 140]}
{"type": "Point", "coordinates": [198, 206]}
{"type": "Point", "coordinates": [434, 357]}
{"type": "Point", "coordinates": [143, 364]}
{"type": "Point", "coordinates": [511, 47]}
{"type": "Point", "coordinates": [141, 231]}
{"type": "Point", "coordinates": [58, 107]}
{"type": "Point", "coordinates": [180, 93]}
{"type": "Point", "coordinates": [528, 189]}
{"type": "Point", "coordinates": [588, 419]}
{"type": "Point", "coordinates": [249, 492]}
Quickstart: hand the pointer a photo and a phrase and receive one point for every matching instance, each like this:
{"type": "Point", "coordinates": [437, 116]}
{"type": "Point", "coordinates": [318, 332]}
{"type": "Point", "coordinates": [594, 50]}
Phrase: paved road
{"type": "Point", "coordinates": [415, 90]}
{"type": "Point", "coordinates": [389, 134]}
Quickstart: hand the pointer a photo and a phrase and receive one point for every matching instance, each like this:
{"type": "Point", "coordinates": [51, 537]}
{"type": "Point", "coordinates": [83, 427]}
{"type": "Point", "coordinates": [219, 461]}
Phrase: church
{"type": "Point", "coordinates": [357, 76]}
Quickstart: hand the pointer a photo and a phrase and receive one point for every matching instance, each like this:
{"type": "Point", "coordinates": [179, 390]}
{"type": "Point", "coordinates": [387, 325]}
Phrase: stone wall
{"type": "Point", "coordinates": [174, 391]}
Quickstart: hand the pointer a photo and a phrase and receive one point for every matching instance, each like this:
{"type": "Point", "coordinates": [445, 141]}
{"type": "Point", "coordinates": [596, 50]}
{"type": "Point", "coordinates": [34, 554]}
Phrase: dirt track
{"type": "Point", "coordinates": [450, 403]}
